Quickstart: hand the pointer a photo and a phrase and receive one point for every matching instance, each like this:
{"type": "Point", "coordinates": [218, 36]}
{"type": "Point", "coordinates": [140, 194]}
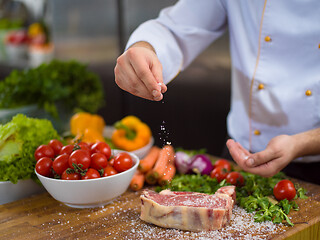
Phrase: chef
{"type": "Point", "coordinates": [274, 118]}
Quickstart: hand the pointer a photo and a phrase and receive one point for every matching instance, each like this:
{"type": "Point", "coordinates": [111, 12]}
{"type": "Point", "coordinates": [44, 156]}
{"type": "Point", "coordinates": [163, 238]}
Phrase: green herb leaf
{"type": "Point", "coordinates": [69, 83]}
{"type": "Point", "coordinates": [301, 193]}
{"type": "Point", "coordinates": [192, 152]}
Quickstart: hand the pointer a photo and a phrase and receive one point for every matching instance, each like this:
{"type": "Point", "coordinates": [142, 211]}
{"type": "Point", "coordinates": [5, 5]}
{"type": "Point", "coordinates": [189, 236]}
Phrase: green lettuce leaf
{"type": "Point", "coordinates": [19, 139]}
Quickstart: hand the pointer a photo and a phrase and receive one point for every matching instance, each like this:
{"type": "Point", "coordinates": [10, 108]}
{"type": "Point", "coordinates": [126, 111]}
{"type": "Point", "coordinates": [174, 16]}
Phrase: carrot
{"type": "Point", "coordinates": [166, 155]}
{"type": "Point", "coordinates": [150, 179]}
{"type": "Point", "coordinates": [168, 175]}
{"type": "Point", "coordinates": [137, 181]}
{"type": "Point", "coordinates": [171, 153]}
{"type": "Point", "coordinates": [149, 160]}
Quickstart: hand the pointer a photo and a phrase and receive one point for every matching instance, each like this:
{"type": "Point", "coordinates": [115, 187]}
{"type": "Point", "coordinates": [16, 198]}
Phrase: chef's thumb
{"type": "Point", "coordinates": [259, 158]}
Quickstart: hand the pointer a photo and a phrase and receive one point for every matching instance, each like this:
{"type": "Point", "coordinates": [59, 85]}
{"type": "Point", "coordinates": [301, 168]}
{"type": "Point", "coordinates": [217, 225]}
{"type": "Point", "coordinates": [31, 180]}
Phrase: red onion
{"type": "Point", "coordinates": [202, 164]}
{"type": "Point", "coordinates": [182, 162]}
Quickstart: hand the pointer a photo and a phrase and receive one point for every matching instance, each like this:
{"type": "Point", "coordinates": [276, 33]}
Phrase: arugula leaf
{"type": "Point", "coordinates": [194, 183]}
{"type": "Point", "coordinates": [192, 152]}
{"type": "Point", "coordinates": [301, 193]}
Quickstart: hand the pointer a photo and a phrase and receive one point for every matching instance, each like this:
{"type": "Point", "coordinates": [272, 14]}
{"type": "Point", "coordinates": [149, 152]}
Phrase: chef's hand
{"type": "Point", "coordinates": [139, 72]}
{"type": "Point", "coordinates": [279, 153]}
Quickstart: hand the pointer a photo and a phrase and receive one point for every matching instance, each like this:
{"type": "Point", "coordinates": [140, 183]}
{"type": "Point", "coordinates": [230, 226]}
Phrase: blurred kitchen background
{"type": "Point", "coordinates": [193, 112]}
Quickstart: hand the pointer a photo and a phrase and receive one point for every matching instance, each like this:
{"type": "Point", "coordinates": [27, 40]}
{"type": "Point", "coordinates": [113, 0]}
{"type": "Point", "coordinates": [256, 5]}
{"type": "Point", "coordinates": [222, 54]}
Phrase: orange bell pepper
{"type": "Point", "coordinates": [131, 134]}
{"type": "Point", "coordinates": [87, 127]}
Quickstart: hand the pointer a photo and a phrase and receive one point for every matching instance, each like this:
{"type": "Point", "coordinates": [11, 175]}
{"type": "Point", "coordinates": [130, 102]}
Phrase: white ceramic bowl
{"type": "Point", "coordinates": [10, 192]}
{"type": "Point", "coordinates": [92, 192]}
{"type": "Point", "coordinates": [141, 152]}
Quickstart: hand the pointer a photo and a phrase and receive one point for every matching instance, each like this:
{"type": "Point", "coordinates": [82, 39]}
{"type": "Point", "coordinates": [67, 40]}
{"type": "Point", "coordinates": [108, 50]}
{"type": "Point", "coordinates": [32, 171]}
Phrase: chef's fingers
{"type": "Point", "coordinates": [142, 67]}
{"type": "Point", "coordinates": [267, 169]}
{"type": "Point", "coordinates": [245, 151]}
{"type": "Point", "coordinates": [127, 79]}
{"type": "Point", "coordinates": [238, 153]}
{"type": "Point", "coordinates": [156, 69]}
{"type": "Point", "coordinates": [262, 157]}
{"type": "Point", "coordinates": [241, 156]}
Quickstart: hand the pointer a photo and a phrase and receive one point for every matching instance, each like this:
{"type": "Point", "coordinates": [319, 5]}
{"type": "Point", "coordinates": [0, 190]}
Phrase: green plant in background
{"type": "Point", "coordinates": [69, 83]}
{"type": "Point", "coordinates": [6, 24]}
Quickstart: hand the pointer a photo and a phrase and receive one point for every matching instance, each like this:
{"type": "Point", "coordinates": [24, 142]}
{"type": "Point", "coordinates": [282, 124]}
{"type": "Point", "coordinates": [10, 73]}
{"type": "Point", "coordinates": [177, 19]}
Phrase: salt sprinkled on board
{"type": "Point", "coordinates": [242, 226]}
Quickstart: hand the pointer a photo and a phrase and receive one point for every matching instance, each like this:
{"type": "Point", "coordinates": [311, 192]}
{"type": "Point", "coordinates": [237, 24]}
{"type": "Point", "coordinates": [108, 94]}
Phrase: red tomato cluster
{"type": "Point", "coordinates": [222, 170]}
{"type": "Point", "coordinates": [18, 38]}
{"type": "Point", "coordinates": [79, 161]}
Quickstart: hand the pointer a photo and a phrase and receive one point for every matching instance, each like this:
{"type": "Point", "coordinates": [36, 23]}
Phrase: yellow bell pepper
{"type": "Point", "coordinates": [35, 29]}
{"type": "Point", "coordinates": [87, 127]}
{"type": "Point", "coordinates": [91, 135]}
{"type": "Point", "coordinates": [131, 134]}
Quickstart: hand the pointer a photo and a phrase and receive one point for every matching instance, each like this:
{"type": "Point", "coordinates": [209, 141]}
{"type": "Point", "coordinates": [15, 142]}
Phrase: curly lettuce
{"type": "Point", "coordinates": [19, 139]}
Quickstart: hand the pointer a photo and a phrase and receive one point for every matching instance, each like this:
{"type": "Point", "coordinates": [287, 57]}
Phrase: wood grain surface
{"type": "Point", "coordinates": [42, 217]}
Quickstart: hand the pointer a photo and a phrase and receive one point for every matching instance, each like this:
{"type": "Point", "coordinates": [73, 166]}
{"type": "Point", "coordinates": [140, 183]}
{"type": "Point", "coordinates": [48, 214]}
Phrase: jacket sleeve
{"type": "Point", "coordinates": [182, 32]}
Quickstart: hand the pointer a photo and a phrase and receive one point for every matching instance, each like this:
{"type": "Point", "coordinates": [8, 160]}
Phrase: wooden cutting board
{"type": "Point", "coordinates": [42, 217]}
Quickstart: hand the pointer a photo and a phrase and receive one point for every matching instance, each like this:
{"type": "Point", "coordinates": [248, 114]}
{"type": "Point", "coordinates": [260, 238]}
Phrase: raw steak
{"type": "Point", "coordinates": [188, 210]}
{"type": "Point", "coordinates": [229, 190]}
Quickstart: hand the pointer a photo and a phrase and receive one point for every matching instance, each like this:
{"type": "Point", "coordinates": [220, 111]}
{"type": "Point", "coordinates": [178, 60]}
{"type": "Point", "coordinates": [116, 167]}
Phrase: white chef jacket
{"type": "Point", "coordinates": [275, 51]}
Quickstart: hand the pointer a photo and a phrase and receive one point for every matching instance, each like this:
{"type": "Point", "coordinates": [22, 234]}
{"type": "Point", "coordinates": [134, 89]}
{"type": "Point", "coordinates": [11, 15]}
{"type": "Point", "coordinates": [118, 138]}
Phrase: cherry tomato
{"type": "Point", "coordinates": [90, 174]}
{"type": "Point", "coordinates": [98, 161]}
{"type": "Point", "coordinates": [66, 175]}
{"type": "Point", "coordinates": [56, 145]}
{"type": "Point", "coordinates": [43, 166]}
{"type": "Point", "coordinates": [122, 162]}
{"type": "Point", "coordinates": [219, 173]}
{"type": "Point", "coordinates": [43, 151]}
{"type": "Point", "coordinates": [109, 171]}
{"type": "Point", "coordinates": [101, 147]}
{"type": "Point", "coordinates": [284, 189]}
{"type": "Point", "coordinates": [67, 149]}
{"type": "Point", "coordinates": [18, 38]}
{"type": "Point", "coordinates": [90, 145]}
{"type": "Point", "coordinates": [60, 163]}
{"type": "Point", "coordinates": [111, 161]}
{"type": "Point", "coordinates": [235, 178]}
{"type": "Point", "coordinates": [84, 146]}
{"type": "Point", "coordinates": [81, 158]}
{"type": "Point", "coordinates": [223, 163]}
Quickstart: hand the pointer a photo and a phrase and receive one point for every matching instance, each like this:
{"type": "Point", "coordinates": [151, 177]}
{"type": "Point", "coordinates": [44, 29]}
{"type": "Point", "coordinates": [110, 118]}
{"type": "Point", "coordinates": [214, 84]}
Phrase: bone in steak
{"type": "Point", "coordinates": [188, 210]}
{"type": "Point", "coordinates": [229, 190]}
